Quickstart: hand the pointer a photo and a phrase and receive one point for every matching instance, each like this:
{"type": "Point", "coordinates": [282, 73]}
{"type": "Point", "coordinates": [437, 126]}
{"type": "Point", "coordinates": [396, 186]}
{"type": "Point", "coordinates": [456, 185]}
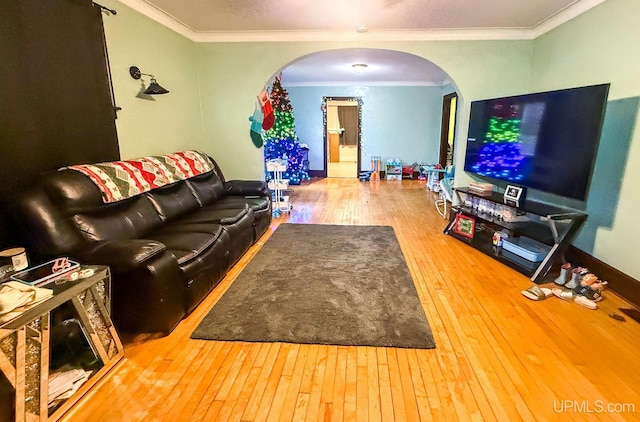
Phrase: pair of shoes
{"type": "Point", "coordinates": [591, 287]}
{"type": "Point", "coordinates": [571, 296]}
{"type": "Point", "coordinates": [565, 274]}
{"type": "Point", "coordinates": [536, 293]}
{"type": "Point", "coordinates": [599, 285]}
{"type": "Point", "coordinates": [576, 277]}
{"type": "Point", "coordinates": [570, 277]}
{"type": "Point", "coordinates": [588, 292]}
{"type": "Point", "coordinates": [591, 280]}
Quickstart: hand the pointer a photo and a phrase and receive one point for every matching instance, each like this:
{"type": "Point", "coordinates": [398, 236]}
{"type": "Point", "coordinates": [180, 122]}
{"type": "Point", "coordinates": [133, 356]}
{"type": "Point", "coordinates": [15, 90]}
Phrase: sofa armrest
{"type": "Point", "coordinates": [247, 188]}
{"type": "Point", "coordinates": [123, 255]}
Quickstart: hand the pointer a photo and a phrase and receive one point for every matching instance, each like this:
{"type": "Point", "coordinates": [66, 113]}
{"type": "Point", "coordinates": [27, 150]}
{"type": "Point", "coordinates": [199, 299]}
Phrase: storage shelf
{"type": "Point", "coordinates": [549, 224]}
{"type": "Point", "coordinates": [535, 229]}
{"type": "Point", "coordinates": [278, 185]}
{"type": "Point", "coordinates": [533, 207]}
{"type": "Point", "coordinates": [483, 243]}
{"type": "Point", "coordinates": [393, 172]}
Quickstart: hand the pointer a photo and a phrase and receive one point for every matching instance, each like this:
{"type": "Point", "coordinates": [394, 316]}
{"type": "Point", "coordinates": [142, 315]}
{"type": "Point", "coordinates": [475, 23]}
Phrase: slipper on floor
{"type": "Point", "coordinates": [536, 293]}
{"type": "Point", "coordinates": [564, 294]}
{"type": "Point", "coordinates": [586, 302]}
{"type": "Point", "coordinates": [570, 296]}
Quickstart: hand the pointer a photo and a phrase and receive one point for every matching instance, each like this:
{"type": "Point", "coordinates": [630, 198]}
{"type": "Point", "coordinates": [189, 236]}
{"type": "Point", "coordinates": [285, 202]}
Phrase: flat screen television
{"type": "Point", "coordinates": [546, 141]}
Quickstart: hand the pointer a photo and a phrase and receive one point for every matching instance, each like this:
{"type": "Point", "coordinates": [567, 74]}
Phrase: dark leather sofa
{"type": "Point", "coordinates": [167, 248]}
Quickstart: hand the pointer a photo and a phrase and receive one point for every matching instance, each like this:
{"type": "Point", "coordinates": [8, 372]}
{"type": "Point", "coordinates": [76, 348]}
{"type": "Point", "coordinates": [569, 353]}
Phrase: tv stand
{"type": "Point", "coordinates": [487, 214]}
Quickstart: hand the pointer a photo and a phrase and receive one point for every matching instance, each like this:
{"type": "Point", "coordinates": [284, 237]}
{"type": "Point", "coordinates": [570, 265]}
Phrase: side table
{"type": "Point", "coordinates": [71, 333]}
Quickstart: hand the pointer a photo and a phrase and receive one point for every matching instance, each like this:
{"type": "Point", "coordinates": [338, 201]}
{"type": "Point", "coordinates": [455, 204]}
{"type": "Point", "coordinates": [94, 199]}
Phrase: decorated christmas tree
{"type": "Point", "coordinates": [281, 140]}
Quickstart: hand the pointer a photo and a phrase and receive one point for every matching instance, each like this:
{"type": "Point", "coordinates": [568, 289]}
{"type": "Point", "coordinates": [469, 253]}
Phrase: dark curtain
{"type": "Point", "coordinates": [348, 116]}
{"type": "Point", "coordinates": [56, 106]}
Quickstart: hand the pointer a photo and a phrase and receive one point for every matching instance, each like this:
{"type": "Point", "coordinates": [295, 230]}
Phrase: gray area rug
{"type": "Point", "coordinates": [323, 284]}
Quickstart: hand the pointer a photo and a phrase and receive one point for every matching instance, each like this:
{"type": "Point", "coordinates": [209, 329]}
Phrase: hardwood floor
{"type": "Point", "coordinates": [498, 356]}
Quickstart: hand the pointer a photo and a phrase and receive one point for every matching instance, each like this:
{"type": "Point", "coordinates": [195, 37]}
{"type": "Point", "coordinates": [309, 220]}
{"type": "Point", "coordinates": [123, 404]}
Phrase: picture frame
{"type": "Point", "coordinates": [514, 195]}
{"type": "Point", "coordinates": [464, 226]}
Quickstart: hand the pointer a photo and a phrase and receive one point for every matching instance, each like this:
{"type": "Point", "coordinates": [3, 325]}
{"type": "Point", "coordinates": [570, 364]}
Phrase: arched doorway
{"type": "Point", "coordinates": [400, 97]}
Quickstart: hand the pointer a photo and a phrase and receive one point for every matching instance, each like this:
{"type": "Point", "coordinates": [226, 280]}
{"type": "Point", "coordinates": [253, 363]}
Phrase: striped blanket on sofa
{"type": "Point", "coordinates": [118, 180]}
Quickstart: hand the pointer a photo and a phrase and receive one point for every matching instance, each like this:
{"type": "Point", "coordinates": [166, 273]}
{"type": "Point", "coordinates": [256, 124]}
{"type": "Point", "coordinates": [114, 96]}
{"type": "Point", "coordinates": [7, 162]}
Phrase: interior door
{"type": "Point", "coordinates": [342, 129]}
{"type": "Point", "coordinates": [448, 128]}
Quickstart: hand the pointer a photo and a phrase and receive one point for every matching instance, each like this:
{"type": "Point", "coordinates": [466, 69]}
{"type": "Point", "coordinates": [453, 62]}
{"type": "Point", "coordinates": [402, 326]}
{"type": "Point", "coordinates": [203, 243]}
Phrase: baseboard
{"type": "Point", "coordinates": [317, 173]}
{"type": "Point", "coordinates": [619, 282]}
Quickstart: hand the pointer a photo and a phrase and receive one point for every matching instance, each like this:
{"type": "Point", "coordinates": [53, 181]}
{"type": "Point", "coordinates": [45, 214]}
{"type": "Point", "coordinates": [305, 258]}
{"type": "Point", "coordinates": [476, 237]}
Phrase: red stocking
{"type": "Point", "coordinates": [267, 110]}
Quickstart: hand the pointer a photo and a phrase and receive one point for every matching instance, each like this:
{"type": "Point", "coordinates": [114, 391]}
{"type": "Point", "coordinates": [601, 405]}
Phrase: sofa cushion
{"type": "Point", "coordinates": [247, 188]}
{"type": "Point", "coordinates": [124, 255]}
{"type": "Point", "coordinates": [173, 201]}
{"type": "Point", "coordinates": [237, 222]}
{"type": "Point", "coordinates": [202, 252]}
{"type": "Point", "coordinates": [123, 220]}
{"type": "Point", "coordinates": [187, 242]}
{"type": "Point", "coordinates": [206, 187]}
{"type": "Point", "coordinates": [212, 214]}
{"type": "Point", "coordinates": [72, 192]}
{"type": "Point", "coordinates": [260, 206]}
{"type": "Point", "coordinates": [231, 202]}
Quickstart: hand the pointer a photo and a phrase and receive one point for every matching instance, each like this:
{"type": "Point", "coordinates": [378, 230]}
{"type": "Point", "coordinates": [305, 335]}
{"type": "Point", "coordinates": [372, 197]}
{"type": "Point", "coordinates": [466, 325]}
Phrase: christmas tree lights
{"type": "Point", "coordinates": [281, 140]}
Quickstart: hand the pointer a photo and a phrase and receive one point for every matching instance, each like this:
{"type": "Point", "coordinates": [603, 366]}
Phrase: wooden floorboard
{"type": "Point", "coordinates": [498, 355]}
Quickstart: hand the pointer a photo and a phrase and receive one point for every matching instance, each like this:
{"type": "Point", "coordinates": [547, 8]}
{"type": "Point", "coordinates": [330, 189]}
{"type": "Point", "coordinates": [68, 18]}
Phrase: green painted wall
{"type": "Point", "coordinates": [601, 46]}
{"type": "Point", "coordinates": [232, 74]}
{"type": "Point", "coordinates": [214, 85]}
{"type": "Point", "coordinates": [169, 122]}
{"type": "Point", "coordinates": [213, 88]}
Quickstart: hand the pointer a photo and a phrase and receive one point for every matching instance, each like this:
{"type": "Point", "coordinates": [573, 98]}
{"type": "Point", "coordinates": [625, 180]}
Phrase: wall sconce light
{"type": "Point", "coordinates": [359, 67]}
{"type": "Point", "coordinates": [154, 88]}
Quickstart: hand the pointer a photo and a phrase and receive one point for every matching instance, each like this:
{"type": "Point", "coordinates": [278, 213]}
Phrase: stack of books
{"type": "Point", "coordinates": [481, 188]}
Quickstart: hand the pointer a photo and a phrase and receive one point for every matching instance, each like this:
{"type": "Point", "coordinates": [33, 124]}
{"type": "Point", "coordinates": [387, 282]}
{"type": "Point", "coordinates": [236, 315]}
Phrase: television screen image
{"type": "Point", "coordinates": [546, 141]}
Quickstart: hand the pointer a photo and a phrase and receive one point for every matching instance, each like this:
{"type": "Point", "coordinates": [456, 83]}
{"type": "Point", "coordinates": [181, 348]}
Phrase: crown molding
{"type": "Point", "coordinates": [372, 35]}
{"type": "Point", "coordinates": [364, 84]}
{"type": "Point", "coordinates": [160, 16]}
{"type": "Point", "coordinates": [477, 34]}
{"type": "Point", "coordinates": [564, 16]}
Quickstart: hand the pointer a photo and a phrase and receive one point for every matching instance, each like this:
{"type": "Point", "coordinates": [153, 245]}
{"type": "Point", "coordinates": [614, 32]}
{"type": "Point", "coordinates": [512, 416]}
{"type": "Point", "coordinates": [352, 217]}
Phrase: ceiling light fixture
{"type": "Point", "coordinates": [359, 67]}
{"type": "Point", "coordinates": [361, 29]}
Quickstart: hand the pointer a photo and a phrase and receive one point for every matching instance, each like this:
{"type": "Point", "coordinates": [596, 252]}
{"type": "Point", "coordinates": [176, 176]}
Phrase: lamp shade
{"type": "Point", "coordinates": [154, 88]}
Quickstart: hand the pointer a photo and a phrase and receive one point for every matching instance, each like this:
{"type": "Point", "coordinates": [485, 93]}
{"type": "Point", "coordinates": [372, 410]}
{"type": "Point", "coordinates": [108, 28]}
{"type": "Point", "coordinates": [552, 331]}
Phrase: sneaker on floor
{"type": "Point", "coordinates": [588, 292]}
